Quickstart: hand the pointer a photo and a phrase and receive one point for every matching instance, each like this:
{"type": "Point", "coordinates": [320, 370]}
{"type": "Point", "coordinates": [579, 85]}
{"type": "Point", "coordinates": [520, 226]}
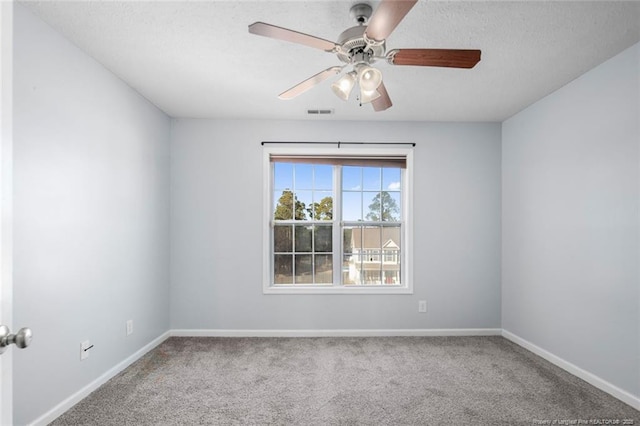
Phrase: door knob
{"type": "Point", "coordinates": [21, 339]}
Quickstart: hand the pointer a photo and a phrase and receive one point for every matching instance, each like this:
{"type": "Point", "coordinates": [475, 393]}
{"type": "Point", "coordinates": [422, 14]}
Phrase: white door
{"type": "Point", "coordinates": [6, 144]}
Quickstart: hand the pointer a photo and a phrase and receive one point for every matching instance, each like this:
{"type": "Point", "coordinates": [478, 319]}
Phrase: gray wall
{"type": "Point", "coordinates": [570, 228]}
{"type": "Point", "coordinates": [216, 229]}
{"type": "Point", "coordinates": [91, 217]}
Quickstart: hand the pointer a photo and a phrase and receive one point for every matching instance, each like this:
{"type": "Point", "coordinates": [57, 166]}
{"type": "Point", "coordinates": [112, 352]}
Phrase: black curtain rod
{"type": "Point", "coordinates": [338, 143]}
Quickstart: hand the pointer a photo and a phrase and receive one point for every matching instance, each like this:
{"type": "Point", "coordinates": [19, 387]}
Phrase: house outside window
{"type": "Point", "coordinates": [337, 221]}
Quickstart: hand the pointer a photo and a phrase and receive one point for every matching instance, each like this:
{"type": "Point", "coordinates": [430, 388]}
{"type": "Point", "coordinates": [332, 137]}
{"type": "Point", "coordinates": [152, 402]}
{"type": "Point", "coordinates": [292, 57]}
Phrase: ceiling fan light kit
{"type": "Point", "coordinates": [367, 96]}
{"type": "Point", "coordinates": [369, 78]}
{"type": "Point", "coordinates": [362, 45]}
{"type": "Point", "coordinates": [344, 85]}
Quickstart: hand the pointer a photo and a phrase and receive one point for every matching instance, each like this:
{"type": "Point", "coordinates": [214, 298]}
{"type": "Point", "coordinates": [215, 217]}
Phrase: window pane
{"type": "Point", "coordinates": [352, 206]}
{"type": "Point", "coordinates": [372, 205]}
{"type": "Point", "coordinates": [391, 238]}
{"type": "Point", "coordinates": [283, 209]}
{"type": "Point", "coordinates": [347, 243]}
{"type": "Point", "coordinates": [323, 238]}
{"type": "Point", "coordinates": [371, 275]}
{"type": "Point", "coordinates": [282, 239]}
{"type": "Point", "coordinates": [303, 177]}
{"type": "Point", "coordinates": [351, 178]}
{"type": "Point", "coordinates": [303, 238]}
{"type": "Point", "coordinates": [282, 176]}
{"type": "Point", "coordinates": [391, 245]}
{"type": "Point", "coordinates": [303, 269]}
{"type": "Point", "coordinates": [365, 264]}
{"type": "Point", "coordinates": [391, 179]}
{"type": "Point", "coordinates": [383, 206]}
{"type": "Point", "coordinates": [323, 269]}
{"type": "Point", "coordinates": [283, 269]}
{"type": "Point", "coordinates": [351, 267]}
{"type": "Point", "coordinates": [391, 206]}
{"type": "Point", "coordinates": [323, 178]}
{"type": "Point", "coordinates": [322, 205]}
{"type": "Point", "coordinates": [304, 205]}
{"type": "Point", "coordinates": [357, 235]}
{"type": "Point", "coordinates": [371, 241]}
{"type": "Point", "coordinates": [391, 277]}
{"type": "Point", "coordinates": [371, 178]}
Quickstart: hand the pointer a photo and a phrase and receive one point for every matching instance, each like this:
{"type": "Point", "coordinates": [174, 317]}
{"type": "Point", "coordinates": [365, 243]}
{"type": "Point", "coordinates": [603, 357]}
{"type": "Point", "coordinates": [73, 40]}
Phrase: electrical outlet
{"type": "Point", "coordinates": [422, 306]}
{"type": "Point", "coordinates": [129, 327]}
{"type": "Point", "coordinates": [84, 349]}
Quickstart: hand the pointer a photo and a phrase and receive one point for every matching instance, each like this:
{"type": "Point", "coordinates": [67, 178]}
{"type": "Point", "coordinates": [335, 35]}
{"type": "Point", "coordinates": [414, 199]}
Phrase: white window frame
{"type": "Point", "coordinates": [406, 257]}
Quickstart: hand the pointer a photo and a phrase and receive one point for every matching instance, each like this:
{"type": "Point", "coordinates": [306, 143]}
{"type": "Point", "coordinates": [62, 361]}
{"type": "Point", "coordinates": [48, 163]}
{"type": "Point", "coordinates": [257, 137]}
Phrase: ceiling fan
{"type": "Point", "coordinates": [363, 45]}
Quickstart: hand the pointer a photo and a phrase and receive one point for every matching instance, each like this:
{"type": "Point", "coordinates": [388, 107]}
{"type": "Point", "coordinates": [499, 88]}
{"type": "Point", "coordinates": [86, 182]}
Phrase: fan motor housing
{"type": "Point", "coordinates": [354, 48]}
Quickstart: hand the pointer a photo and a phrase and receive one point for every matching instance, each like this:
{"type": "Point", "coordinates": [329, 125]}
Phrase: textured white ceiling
{"type": "Point", "coordinates": [197, 59]}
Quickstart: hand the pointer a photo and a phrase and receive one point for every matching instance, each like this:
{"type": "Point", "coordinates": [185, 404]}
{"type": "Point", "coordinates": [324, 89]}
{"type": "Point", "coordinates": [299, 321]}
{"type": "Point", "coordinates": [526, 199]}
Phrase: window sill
{"type": "Point", "coordinates": [361, 289]}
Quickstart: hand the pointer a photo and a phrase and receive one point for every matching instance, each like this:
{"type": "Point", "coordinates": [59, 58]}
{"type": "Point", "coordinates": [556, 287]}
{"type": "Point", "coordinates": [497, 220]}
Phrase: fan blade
{"type": "Point", "coordinates": [453, 58]}
{"type": "Point", "coordinates": [309, 83]}
{"type": "Point", "coordinates": [387, 17]}
{"type": "Point", "coordinates": [268, 30]}
{"type": "Point", "coordinates": [383, 102]}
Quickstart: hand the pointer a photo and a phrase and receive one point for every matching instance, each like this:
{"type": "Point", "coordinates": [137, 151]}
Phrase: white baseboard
{"type": "Point", "coordinates": [65, 405]}
{"type": "Point", "coordinates": [588, 377]}
{"type": "Point", "coordinates": [338, 333]}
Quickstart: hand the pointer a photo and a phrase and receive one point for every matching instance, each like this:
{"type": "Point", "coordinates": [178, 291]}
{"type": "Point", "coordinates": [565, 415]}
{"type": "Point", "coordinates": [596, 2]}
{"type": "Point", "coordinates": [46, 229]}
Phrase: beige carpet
{"type": "Point", "coordinates": [345, 381]}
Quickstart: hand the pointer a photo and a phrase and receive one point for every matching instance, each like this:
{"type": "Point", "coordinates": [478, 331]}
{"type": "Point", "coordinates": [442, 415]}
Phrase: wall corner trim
{"type": "Point", "coordinates": [592, 379]}
{"type": "Point", "coordinates": [65, 405]}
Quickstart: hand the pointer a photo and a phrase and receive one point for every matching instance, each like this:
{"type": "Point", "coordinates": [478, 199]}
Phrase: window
{"type": "Point", "coordinates": [337, 221]}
